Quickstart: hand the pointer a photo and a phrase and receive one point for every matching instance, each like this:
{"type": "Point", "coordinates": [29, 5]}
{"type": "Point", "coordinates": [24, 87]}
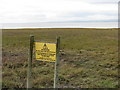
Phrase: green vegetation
{"type": "Point", "coordinates": [89, 58]}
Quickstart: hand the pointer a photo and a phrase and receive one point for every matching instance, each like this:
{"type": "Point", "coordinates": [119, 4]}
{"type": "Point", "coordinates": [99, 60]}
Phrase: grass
{"type": "Point", "coordinates": [89, 58]}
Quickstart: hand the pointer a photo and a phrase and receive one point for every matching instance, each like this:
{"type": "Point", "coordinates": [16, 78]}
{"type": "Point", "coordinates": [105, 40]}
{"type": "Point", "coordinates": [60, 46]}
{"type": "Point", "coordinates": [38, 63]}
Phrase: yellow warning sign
{"type": "Point", "coordinates": [45, 51]}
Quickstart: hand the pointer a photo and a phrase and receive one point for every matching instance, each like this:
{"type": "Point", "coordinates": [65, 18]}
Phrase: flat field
{"type": "Point", "coordinates": [89, 58]}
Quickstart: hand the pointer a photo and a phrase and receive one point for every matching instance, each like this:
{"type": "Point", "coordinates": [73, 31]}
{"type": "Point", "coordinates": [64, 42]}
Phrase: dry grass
{"type": "Point", "coordinates": [88, 58]}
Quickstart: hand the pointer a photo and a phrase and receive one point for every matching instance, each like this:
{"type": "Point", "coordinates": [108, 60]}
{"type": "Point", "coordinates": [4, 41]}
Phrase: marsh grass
{"type": "Point", "coordinates": [89, 58]}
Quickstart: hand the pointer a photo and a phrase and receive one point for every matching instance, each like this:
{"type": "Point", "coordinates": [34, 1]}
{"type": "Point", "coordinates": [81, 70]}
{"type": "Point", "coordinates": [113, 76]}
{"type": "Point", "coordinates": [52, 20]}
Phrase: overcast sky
{"type": "Point", "coordinates": [34, 11]}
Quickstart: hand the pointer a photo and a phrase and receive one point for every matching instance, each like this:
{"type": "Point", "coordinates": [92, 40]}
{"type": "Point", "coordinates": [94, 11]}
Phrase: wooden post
{"type": "Point", "coordinates": [29, 74]}
{"type": "Point", "coordinates": [57, 63]}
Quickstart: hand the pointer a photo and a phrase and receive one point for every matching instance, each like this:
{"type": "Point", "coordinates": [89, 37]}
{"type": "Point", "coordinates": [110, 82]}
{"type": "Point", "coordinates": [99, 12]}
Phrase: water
{"type": "Point", "coordinates": [60, 25]}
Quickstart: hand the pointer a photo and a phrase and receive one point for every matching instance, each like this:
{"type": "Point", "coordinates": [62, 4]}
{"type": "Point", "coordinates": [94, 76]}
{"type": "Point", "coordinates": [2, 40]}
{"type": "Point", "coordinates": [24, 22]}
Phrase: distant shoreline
{"type": "Point", "coordinates": [59, 28]}
{"type": "Point", "coordinates": [100, 25]}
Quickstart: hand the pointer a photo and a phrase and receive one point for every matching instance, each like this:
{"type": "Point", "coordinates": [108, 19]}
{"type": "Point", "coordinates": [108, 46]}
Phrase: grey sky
{"type": "Point", "coordinates": [32, 11]}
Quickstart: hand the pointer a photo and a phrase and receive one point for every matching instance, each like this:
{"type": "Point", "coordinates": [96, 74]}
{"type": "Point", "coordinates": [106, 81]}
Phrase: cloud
{"type": "Point", "coordinates": [25, 11]}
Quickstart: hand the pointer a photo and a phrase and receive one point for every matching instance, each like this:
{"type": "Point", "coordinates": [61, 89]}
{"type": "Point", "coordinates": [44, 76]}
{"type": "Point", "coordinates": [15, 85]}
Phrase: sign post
{"type": "Point", "coordinates": [44, 51]}
{"type": "Point", "coordinates": [57, 63]}
{"type": "Point", "coordinates": [29, 73]}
